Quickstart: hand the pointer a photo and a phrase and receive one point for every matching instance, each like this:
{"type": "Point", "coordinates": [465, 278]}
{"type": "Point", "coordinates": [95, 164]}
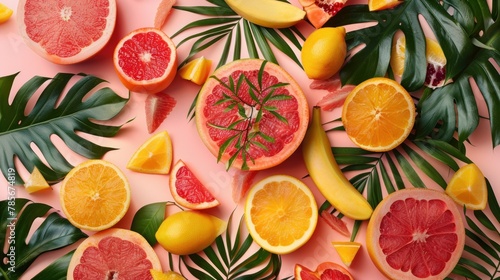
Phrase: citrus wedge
{"type": "Point", "coordinates": [95, 195]}
{"type": "Point", "coordinates": [378, 114]}
{"type": "Point", "coordinates": [36, 182]}
{"type": "Point", "coordinates": [168, 275]}
{"type": "Point", "coordinates": [378, 5]}
{"type": "Point", "coordinates": [468, 188]}
{"type": "Point", "coordinates": [196, 70]}
{"type": "Point", "coordinates": [280, 213]}
{"type": "Point", "coordinates": [347, 250]}
{"type": "Point", "coordinates": [5, 13]}
{"type": "Point", "coordinates": [154, 156]}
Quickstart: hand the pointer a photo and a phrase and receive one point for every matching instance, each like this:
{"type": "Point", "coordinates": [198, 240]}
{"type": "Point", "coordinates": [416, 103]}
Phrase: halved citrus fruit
{"type": "Point", "coordinates": [68, 31]}
{"type": "Point", "coordinates": [95, 195]}
{"type": "Point", "coordinates": [36, 182]}
{"type": "Point", "coordinates": [187, 190]}
{"type": "Point", "coordinates": [153, 156]}
{"type": "Point", "coordinates": [416, 233]}
{"type": "Point", "coordinates": [113, 254]}
{"type": "Point", "coordinates": [347, 250]}
{"type": "Point", "coordinates": [196, 70]}
{"type": "Point", "coordinates": [378, 5]}
{"type": "Point", "coordinates": [436, 61]}
{"type": "Point", "coordinates": [146, 60]}
{"type": "Point", "coordinates": [251, 114]}
{"type": "Point", "coordinates": [5, 13]}
{"type": "Point", "coordinates": [468, 187]}
{"type": "Point", "coordinates": [325, 270]}
{"type": "Point", "coordinates": [280, 213]}
{"type": "Point", "coordinates": [378, 114]}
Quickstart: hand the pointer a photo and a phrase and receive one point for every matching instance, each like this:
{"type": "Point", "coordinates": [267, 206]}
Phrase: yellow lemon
{"type": "Point", "coordinates": [167, 275]}
{"type": "Point", "coordinates": [5, 13]}
{"type": "Point", "coordinates": [468, 187]}
{"type": "Point", "coordinates": [324, 52]}
{"type": "Point", "coordinates": [189, 232]}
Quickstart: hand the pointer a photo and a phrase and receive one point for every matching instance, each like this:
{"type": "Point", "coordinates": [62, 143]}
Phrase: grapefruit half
{"type": "Point", "coordinates": [251, 114]}
{"type": "Point", "coordinates": [416, 233]}
{"type": "Point", "coordinates": [113, 254]}
{"type": "Point", "coordinates": [66, 31]}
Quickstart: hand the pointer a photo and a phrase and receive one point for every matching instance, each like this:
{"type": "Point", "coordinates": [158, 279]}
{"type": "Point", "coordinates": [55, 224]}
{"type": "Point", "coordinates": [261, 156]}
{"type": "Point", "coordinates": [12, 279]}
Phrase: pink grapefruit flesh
{"type": "Point", "coordinates": [66, 31]}
{"type": "Point", "coordinates": [416, 233]}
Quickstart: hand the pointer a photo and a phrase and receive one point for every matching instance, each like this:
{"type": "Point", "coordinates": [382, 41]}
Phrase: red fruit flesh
{"type": "Point", "coordinates": [158, 107]}
{"type": "Point", "coordinates": [324, 271]}
{"type": "Point", "coordinates": [318, 12]}
{"type": "Point", "coordinates": [335, 223]}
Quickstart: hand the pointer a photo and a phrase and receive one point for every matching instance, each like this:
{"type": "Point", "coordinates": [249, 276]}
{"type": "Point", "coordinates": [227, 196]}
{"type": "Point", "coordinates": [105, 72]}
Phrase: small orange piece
{"type": "Point", "coordinates": [378, 5]}
{"type": "Point", "coordinates": [5, 13]}
{"type": "Point", "coordinates": [146, 60]}
{"type": "Point", "coordinates": [95, 195]}
{"type": "Point", "coordinates": [196, 70]}
{"type": "Point", "coordinates": [378, 114]}
{"type": "Point", "coordinates": [281, 213]}
{"type": "Point", "coordinates": [36, 182]}
{"type": "Point", "coordinates": [347, 250]}
{"type": "Point", "coordinates": [154, 156]}
{"type": "Point", "coordinates": [468, 188]}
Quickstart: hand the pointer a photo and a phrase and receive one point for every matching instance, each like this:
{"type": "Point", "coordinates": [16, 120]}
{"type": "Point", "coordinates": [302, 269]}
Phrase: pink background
{"type": "Point", "coordinates": [15, 56]}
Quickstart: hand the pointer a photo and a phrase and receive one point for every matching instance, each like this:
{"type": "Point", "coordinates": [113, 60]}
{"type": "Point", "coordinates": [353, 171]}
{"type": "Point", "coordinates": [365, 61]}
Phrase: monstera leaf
{"type": "Point", "coordinates": [469, 36]}
{"type": "Point", "coordinates": [17, 219]}
{"type": "Point", "coordinates": [54, 115]}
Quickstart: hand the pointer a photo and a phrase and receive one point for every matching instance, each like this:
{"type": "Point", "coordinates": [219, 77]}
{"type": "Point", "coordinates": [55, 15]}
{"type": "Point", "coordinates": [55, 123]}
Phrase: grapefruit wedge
{"type": "Point", "coordinates": [416, 233]}
{"type": "Point", "coordinates": [66, 31]}
{"type": "Point", "coordinates": [113, 254]}
{"type": "Point", "coordinates": [251, 114]}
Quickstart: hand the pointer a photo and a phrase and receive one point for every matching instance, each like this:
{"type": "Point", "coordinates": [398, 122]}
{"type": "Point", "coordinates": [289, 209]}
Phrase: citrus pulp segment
{"type": "Point", "coordinates": [416, 233]}
{"type": "Point", "coordinates": [146, 60]}
{"type": "Point", "coordinates": [68, 31]}
{"type": "Point", "coordinates": [153, 156]}
{"type": "Point", "coordinates": [36, 182]}
{"type": "Point", "coordinates": [468, 187]}
{"type": "Point", "coordinates": [378, 114]}
{"type": "Point", "coordinates": [95, 195]}
{"type": "Point", "coordinates": [113, 254]}
{"type": "Point", "coordinates": [250, 117]}
{"type": "Point", "coordinates": [196, 70]}
{"type": "Point", "coordinates": [187, 190]}
{"type": "Point", "coordinates": [280, 213]}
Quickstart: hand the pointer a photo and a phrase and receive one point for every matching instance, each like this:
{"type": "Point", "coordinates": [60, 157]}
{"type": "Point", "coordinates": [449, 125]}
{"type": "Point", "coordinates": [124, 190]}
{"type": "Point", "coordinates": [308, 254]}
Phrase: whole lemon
{"type": "Point", "coordinates": [324, 52]}
{"type": "Point", "coordinates": [189, 232]}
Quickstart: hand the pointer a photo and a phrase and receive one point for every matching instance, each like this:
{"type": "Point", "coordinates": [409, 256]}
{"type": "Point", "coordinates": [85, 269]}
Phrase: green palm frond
{"type": "Point", "coordinates": [231, 257]}
{"type": "Point", "coordinates": [221, 23]}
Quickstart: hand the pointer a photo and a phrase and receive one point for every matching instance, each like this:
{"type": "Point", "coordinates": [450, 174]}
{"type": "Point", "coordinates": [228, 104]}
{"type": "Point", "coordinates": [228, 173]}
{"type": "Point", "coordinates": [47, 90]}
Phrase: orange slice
{"type": "Point", "coordinates": [95, 195]}
{"type": "Point", "coordinates": [154, 156]}
{"type": "Point", "coordinates": [467, 187]}
{"type": "Point", "coordinates": [196, 70]}
{"type": "Point", "coordinates": [36, 182]}
{"type": "Point", "coordinates": [5, 13]}
{"type": "Point", "coordinates": [281, 213]}
{"type": "Point", "coordinates": [347, 250]}
{"type": "Point", "coordinates": [378, 5]}
{"type": "Point", "coordinates": [378, 114]}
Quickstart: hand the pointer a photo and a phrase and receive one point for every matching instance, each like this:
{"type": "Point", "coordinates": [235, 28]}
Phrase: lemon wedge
{"type": "Point", "coordinates": [347, 250]}
{"type": "Point", "coordinates": [5, 13]}
{"type": "Point", "coordinates": [196, 70]}
{"type": "Point", "coordinates": [36, 182]}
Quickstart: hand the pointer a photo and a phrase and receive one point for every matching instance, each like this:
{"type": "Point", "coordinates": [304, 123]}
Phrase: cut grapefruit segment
{"type": "Point", "coordinates": [67, 31]}
{"type": "Point", "coordinates": [146, 60]}
{"type": "Point", "coordinates": [347, 250]}
{"type": "Point", "coordinates": [153, 156]}
{"type": "Point", "coordinates": [378, 114]}
{"type": "Point", "coordinates": [416, 233]}
{"type": "Point", "coordinates": [324, 271]}
{"type": "Point", "coordinates": [36, 182]}
{"type": "Point", "coordinates": [95, 195]}
{"type": "Point", "coordinates": [251, 114]}
{"type": "Point", "coordinates": [113, 254]}
{"type": "Point", "coordinates": [468, 187]}
{"type": "Point", "coordinates": [280, 213]}
{"type": "Point", "coordinates": [187, 190]}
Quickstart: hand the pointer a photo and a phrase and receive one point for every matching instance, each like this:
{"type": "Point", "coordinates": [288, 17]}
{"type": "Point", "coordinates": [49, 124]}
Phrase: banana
{"type": "Point", "coordinates": [326, 173]}
{"type": "Point", "coordinates": [267, 13]}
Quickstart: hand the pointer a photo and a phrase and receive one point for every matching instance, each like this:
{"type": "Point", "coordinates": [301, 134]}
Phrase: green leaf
{"type": "Point", "coordinates": [148, 219]}
{"type": "Point", "coordinates": [54, 233]}
{"type": "Point", "coordinates": [57, 270]}
{"type": "Point", "coordinates": [18, 132]}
